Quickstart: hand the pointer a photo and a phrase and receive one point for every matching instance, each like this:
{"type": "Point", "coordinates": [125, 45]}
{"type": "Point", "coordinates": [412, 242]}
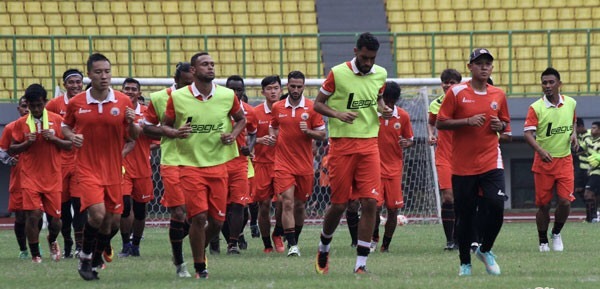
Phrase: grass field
{"type": "Point", "coordinates": [416, 261]}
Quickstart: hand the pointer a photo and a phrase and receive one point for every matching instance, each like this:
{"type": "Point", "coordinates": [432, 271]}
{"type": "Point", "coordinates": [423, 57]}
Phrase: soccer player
{"type": "Point", "coordinates": [137, 180]}
{"type": "Point", "coordinates": [206, 144]}
{"type": "Point", "coordinates": [351, 97]}
{"type": "Point", "coordinates": [549, 130]}
{"type": "Point", "coordinates": [475, 110]}
{"type": "Point", "coordinates": [173, 198]}
{"type": "Point", "coordinates": [443, 143]}
{"type": "Point", "coordinates": [102, 119]}
{"type": "Point", "coordinates": [73, 83]}
{"type": "Point", "coordinates": [37, 139]}
{"type": "Point", "coordinates": [395, 134]}
{"type": "Point", "coordinates": [15, 198]}
{"type": "Point", "coordinates": [591, 146]}
{"type": "Point", "coordinates": [237, 169]}
{"type": "Point", "coordinates": [294, 124]}
{"type": "Point", "coordinates": [581, 168]}
{"type": "Point", "coordinates": [264, 166]}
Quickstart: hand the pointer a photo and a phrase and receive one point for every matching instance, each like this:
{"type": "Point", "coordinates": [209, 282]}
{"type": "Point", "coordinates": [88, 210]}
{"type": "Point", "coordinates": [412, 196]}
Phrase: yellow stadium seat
{"type": "Point", "coordinates": [18, 20]}
{"type": "Point", "coordinates": [255, 6]}
{"type": "Point", "coordinates": [272, 6]}
{"type": "Point", "coordinates": [225, 29]}
{"type": "Point", "coordinates": [431, 27]}
{"type": "Point", "coordinates": [498, 15]}
{"type": "Point", "coordinates": [189, 19]}
{"type": "Point", "coordinates": [118, 7]}
{"type": "Point", "coordinates": [87, 19]}
{"type": "Point", "coordinates": [414, 27]}
{"type": "Point", "coordinates": [5, 18]}
{"type": "Point", "coordinates": [143, 70]}
{"type": "Point", "coordinates": [259, 29]}
{"type": "Point", "coordinates": [15, 7]}
{"type": "Point", "coordinates": [221, 6]}
{"type": "Point", "coordinates": [548, 14]}
{"type": "Point", "coordinates": [583, 13]}
{"type": "Point", "coordinates": [142, 57]}
{"type": "Point", "coordinates": [430, 16]}
{"type": "Point", "coordinates": [156, 20]}
{"type": "Point", "coordinates": [412, 16]}
{"type": "Point", "coordinates": [241, 19]}
{"type": "Point", "coordinates": [105, 20]}
{"type": "Point", "coordinates": [159, 58]}
{"type": "Point", "coordinates": [102, 45]}
{"type": "Point", "coordinates": [56, 30]}
{"type": "Point", "coordinates": [447, 16]}
{"type": "Point", "coordinates": [289, 6]}
{"type": "Point", "coordinates": [187, 6]}
{"type": "Point", "coordinates": [155, 44]}
{"type": "Point", "coordinates": [463, 16]}
{"type": "Point", "coordinates": [152, 7]}
{"type": "Point", "coordinates": [238, 7]}
{"type": "Point", "coordinates": [139, 19]}
{"type": "Point", "coordinates": [70, 20]}
{"type": "Point", "coordinates": [223, 19]}
{"type": "Point", "coordinates": [291, 19]}
{"type": "Point", "coordinates": [395, 16]}
{"type": "Point", "coordinates": [169, 7]}
{"type": "Point", "coordinates": [293, 29]}
{"type": "Point", "coordinates": [566, 14]}
{"type": "Point", "coordinates": [306, 5]}
{"type": "Point", "coordinates": [50, 7]}
{"type": "Point", "coordinates": [101, 7]}
{"type": "Point", "coordinates": [32, 7]}
{"type": "Point", "coordinates": [135, 7]}
{"type": "Point", "coordinates": [242, 29]}
{"type": "Point", "coordinates": [23, 30]}
{"type": "Point", "coordinates": [53, 19]}
{"type": "Point", "coordinates": [41, 70]}
{"type": "Point", "coordinates": [67, 7]}
{"type": "Point", "coordinates": [121, 20]}
{"type": "Point", "coordinates": [292, 43]}
{"type": "Point", "coordinates": [274, 19]}
{"type": "Point", "coordinates": [204, 7]}
{"type": "Point", "coordinates": [40, 30]}
{"type": "Point", "coordinates": [172, 19]}
{"type": "Point", "coordinates": [158, 30]}
{"type": "Point", "coordinates": [523, 53]}
{"type": "Point", "coordinates": [308, 18]}
{"type": "Point", "coordinates": [175, 30]}
{"type": "Point", "coordinates": [208, 29]}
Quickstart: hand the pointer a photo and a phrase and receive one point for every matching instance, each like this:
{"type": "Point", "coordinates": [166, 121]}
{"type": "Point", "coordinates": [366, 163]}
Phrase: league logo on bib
{"type": "Point", "coordinates": [494, 105]}
{"type": "Point", "coordinates": [115, 111]}
{"type": "Point", "coordinates": [304, 116]}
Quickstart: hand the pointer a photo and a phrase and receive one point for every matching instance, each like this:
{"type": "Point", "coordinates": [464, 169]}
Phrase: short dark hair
{"type": "Point", "coordinates": [367, 40]}
{"type": "Point", "coordinates": [94, 58]}
{"type": "Point", "coordinates": [234, 77]}
{"type": "Point", "coordinates": [392, 91]}
{"type": "Point", "coordinates": [131, 80]}
{"type": "Point", "coordinates": [579, 121]}
{"type": "Point", "coordinates": [296, 74]}
{"type": "Point", "coordinates": [270, 80]}
{"type": "Point", "coordinates": [596, 123]}
{"type": "Point", "coordinates": [450, 74]}
{"type": "Point", "coordinates": [35, 92]}
{"type": "Point", "coordinates": [70, 72]}
{"type": "Point", "coordinates": [181, 67]}
{"type": "Point", "coordinates": [551, 71]}
{"type": "Point", "coordinates": [196, 56]}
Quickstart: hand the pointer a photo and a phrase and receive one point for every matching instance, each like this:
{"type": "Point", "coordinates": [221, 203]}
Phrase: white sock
{"type": "Point", "coordinates": [360, 261]}
{"type": "Point", "coordinates": [324, 248]}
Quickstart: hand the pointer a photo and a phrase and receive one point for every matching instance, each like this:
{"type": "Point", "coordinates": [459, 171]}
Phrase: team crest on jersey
{"type": "Point", "coordinates": [115, 111]}
{"type": "Point", "coordinates": [494, 105]}
{"type": "Point", "coordinates": [304, 116]}
{"type": "Point", "coordinates": [397, 125]}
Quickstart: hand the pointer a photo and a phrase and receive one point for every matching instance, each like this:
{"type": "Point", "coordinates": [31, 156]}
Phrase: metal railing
{"type": "Point", "coordinates": [520, 55]}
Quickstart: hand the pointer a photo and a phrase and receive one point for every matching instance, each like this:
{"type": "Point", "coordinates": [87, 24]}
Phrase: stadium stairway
{"type": "Point", "coordinates": [352, 16]}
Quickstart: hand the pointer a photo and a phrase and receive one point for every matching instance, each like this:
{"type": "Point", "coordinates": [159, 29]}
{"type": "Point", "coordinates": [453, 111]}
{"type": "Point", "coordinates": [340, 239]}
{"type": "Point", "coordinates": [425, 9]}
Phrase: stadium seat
{"type": "Point", "coordinates": [289, 6]}
{"type": "Point", "coordinates": [238, 7]}
{"type": "Point", "coordinates": [135, 7]}
{"type": "Point", "coordinates": [306, 6]}
{"type": "Point", "coordinates": [15, 7]}
{"type": "Point", "coordinates": [221, 7]}
{"type": "Point", "coordinates": [170, 7]}
{"type": "Point", "coordinates": [255, 6]}
{"type": "Point", "coordinates": [272, 6]}
{"type": "Point", "coordinates": [101, 7]}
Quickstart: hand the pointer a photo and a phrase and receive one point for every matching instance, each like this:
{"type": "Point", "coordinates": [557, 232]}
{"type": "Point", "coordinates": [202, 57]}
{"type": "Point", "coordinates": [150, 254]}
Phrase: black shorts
{"type": "Point", "coordinates": [488, 185]}
{"type": "Point", "coordinates": [581, 178]}
{"type": "Point", "coordinates": [593, 184]}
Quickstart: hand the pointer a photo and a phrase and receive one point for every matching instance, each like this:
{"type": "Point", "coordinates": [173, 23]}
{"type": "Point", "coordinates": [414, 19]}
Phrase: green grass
{"type": "Point", "coordinates": [416, 261]}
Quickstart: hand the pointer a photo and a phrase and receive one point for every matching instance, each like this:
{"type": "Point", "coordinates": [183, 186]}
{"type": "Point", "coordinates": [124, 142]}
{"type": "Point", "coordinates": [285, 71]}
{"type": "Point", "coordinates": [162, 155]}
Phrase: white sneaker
{"type": "Point", "coordinates": [557, 244]}
{"type": "Point", "coordinates": [544, 247]}
{"type": "Point", "coordinates": [293, 251]}
{"type": "Point", "coordinates": [373, 247]}
{"type": "Point", "coordinates": [182, 271]}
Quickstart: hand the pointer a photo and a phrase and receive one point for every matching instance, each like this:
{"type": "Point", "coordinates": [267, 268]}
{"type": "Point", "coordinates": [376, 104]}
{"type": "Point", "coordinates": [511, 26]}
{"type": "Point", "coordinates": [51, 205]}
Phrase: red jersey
{"type": "Point", "coordinates": [475, 150]}
{"type": "Point", "coordinates": [242, 160]}
{"type": "Point", "coordinates": [390, 151]}
{"type": "Point", "coordinates": [15, 171]}
{"type": "Point", "coordinates": [137, 162]}
{"type": "Point", "coordinates": [41, 162]}
{"type": "Point", "coordinates": [104, 128]}
{"type": "Point", "coordinates": [293, 150]}
{"type": "Point", "coordinates": [58, 105]}
{"type": "Point", "coordinates": [443, 148]}
{"type": "Point", "coordinates": [263, 153]}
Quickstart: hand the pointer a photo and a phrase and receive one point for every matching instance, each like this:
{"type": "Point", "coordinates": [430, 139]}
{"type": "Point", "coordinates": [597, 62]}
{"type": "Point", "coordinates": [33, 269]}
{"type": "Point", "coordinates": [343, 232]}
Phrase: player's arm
{"type": "Point", "coordinates": [133, 129]}
{"type": "Point", "coordinates": [530, 140]}
{"type": "Point", "coordinates": [574, 140]}
{"type": "Point", "coordinates": [431, 129]}
{"type": "Point", "coordinates": [62, 144]}
{"type": "Point", "coordinates": [239, 125]}
{"type": "Point", "coordinates": [20, 140]}
{"type": "Point", "coordinates": [128, 147]}
{"type": "Point", "coordinates": [169, 120]}
{"type": "Point", "coordinates": [386, 111]}
{"type": "Point", "coordinates": [321, 106]}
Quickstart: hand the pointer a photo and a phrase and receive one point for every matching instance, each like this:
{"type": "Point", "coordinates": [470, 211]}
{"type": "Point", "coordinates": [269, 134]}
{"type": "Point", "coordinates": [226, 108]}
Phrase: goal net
{"type": "Point", "coordinates": [419, 182]}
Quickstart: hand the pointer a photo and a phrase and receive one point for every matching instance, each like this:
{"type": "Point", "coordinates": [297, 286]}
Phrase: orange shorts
{"type": "Point", "coordinates": [68, 184]}
{"type": "Point", "coordinates": [304, 184]}
{"type": "Point", "coordinates": [562, 177]}
{"type": "Point", "coordinates": [15, 201]}
{"type": "Point", "coordinates": [392, 193]}
{"type": "Point", "coordinates": [238, 186]}
{"type": "Point", "coordinates": [140, 189]}
{"type": "Point", "coordinates": [444, 174]}
{"type": "Point", "coordinates": [263, 181]}
{"type": "Point", "coordinates": [173, 195]}
{"type": "Point", "coordinates": [205, 191]}
{"type": "Point", "coordinates": [48, 202]}
{"type": "Point", "coordinates": [354, 176]}
{"type": "Point", "coordinates": [95, 193]}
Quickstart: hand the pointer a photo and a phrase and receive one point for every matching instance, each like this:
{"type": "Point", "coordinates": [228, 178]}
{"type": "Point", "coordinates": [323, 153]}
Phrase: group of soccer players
{"type": "Point", "coordinates": [219, 154]}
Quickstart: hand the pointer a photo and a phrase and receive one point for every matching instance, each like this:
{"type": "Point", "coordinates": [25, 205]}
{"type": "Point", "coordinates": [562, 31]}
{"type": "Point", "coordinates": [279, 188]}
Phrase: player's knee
{"type": "Point", "coordinates": [126, 206]}
{"type": "Point", "coordinates": [139, 211]}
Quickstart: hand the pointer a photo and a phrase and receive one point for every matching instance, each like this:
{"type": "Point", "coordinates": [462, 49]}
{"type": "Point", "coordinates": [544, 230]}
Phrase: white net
{"type": "Point", "coordinates": [419, 179]}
